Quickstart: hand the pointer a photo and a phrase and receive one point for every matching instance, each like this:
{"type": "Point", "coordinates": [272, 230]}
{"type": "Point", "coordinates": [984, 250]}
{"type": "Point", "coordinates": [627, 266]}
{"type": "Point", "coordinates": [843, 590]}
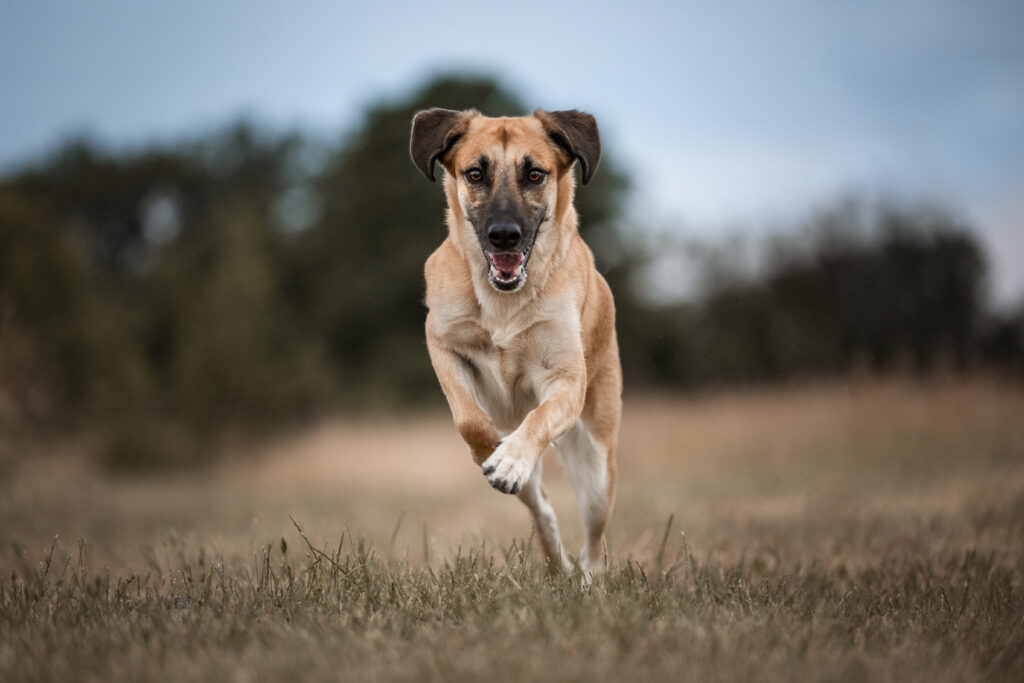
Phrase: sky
{"type": "Point", "coordinates": [730, 117]}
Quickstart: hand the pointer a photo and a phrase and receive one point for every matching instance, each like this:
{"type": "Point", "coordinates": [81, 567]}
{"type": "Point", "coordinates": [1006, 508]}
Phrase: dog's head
{"type": "Point", "coordinates": [508, 177]}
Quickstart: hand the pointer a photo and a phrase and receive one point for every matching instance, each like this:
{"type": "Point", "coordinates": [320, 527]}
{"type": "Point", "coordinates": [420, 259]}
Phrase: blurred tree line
{"type": "Point", "coordinates": [246, 279]}
{"type": "Point", "coordinates": [862, 285]}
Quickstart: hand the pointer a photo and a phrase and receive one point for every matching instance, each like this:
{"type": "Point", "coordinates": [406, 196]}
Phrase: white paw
{"type": "Point", "coordinates": [591, 564]}
{"type": "Point", "coordinates": [507, 469]}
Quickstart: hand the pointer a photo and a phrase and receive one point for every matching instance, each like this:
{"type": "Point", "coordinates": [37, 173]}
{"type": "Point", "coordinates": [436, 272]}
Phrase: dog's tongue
{"type": "Point", "coordinates": [506, 262]}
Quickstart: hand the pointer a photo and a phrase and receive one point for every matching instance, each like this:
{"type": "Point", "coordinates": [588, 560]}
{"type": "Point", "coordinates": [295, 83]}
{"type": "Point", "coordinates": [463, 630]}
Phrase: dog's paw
{"type": "Point", "coordinates": [507, 469]}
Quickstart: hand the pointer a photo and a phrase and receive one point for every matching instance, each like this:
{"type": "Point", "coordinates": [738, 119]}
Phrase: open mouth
{"type": "Point", "coordinates": [507, 270]}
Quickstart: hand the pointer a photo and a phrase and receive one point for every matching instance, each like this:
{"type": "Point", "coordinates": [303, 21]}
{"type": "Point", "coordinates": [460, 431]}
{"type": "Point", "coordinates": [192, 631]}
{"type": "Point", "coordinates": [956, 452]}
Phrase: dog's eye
{"type": "Point", "coordinates": [535, 175]}
{"type": "Point", "coordinates": [474, 175]}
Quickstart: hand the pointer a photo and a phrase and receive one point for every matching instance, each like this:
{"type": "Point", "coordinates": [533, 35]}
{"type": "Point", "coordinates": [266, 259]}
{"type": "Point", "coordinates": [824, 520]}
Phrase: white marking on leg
{"type": "Point", "coordinates": [586, 464]}
{"type": "Point", "coordinates": [545, 522]}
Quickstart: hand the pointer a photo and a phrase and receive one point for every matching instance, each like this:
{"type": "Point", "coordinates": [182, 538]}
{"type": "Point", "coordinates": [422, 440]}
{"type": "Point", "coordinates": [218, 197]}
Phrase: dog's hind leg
{"type": "Point", "coordinates": [584, 461]}
{"type": "Point", "coordinates": [588, 455]}
{"type": "Point", "coordinates": [544, 521]}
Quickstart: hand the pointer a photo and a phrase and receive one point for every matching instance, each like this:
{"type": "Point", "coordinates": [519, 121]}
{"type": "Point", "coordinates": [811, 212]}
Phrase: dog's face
{"type": "Point", "coordinates": [509, 176]}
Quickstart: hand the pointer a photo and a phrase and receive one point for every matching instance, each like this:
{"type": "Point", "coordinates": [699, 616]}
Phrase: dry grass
{"type": "Point", "coordinates": [867, 531]}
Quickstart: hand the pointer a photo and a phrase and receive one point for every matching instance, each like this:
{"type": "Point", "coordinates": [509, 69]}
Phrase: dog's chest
{"type": "Point", "coordinates": [502, 371]}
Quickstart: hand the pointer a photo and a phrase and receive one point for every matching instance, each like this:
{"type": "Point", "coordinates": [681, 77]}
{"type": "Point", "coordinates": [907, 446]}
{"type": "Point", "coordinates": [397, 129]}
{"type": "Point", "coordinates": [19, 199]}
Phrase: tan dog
{"type": "Point", "coordinates": [521, 326]}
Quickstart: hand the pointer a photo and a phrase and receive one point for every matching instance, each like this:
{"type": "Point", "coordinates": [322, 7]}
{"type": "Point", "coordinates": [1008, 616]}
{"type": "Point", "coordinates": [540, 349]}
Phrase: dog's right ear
{"type": "Point", "coordinates": [434, 133]}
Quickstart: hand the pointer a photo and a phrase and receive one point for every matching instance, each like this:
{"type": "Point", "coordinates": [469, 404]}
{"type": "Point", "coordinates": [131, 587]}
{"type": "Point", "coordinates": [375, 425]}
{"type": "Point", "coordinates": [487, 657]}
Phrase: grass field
{"type": "Point", "coordinates": [865, 531]}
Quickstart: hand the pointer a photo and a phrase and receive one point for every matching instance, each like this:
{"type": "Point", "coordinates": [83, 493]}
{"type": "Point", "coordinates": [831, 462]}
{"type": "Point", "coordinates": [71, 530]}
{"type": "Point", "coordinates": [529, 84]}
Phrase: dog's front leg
{"type": "Point", "coordinates": [563, 392]}
{"type": "Point", "coordinates": [474, 426]}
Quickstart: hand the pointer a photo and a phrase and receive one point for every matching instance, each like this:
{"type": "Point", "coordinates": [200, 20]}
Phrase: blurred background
{"type": "Point", "coordinates": [210, 226]}
{"type": "Point", "coordinates": [213, 372]}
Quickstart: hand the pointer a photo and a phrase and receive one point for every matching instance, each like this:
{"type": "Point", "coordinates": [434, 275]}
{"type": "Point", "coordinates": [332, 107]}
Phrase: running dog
{"type": "Point", "coordinates": [521, 326]}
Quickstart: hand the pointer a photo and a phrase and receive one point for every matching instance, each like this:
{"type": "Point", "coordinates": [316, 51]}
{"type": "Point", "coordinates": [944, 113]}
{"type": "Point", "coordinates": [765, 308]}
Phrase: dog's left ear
{"type": "Point", "coordinates": [434, 133]}
{"type": "Point", "coordinates": [576, 133]}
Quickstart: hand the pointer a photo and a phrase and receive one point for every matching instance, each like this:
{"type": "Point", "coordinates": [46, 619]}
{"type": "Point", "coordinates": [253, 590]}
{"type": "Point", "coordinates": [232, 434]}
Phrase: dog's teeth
{"type": "Point", "coordinates": [507, 277]}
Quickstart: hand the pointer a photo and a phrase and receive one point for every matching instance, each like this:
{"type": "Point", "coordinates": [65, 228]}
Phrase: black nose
{"type": "Point", "coordinates": [504, 234]}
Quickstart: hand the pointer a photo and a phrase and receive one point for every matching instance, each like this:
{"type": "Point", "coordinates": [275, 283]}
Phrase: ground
{"type": "Point", "coordinates": [862, 530]}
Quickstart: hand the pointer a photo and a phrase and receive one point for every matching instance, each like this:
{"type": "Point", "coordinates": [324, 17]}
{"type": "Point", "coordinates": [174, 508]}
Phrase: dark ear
{"type": "Point", "coordinates": [576, 133]}
{"type": "Point", "coordinates": [434, 133]}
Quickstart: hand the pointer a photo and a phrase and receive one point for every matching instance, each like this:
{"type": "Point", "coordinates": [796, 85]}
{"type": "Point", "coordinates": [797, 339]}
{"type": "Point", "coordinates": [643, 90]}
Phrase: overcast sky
{"type": "Point", "coordinates": [728, 118]}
